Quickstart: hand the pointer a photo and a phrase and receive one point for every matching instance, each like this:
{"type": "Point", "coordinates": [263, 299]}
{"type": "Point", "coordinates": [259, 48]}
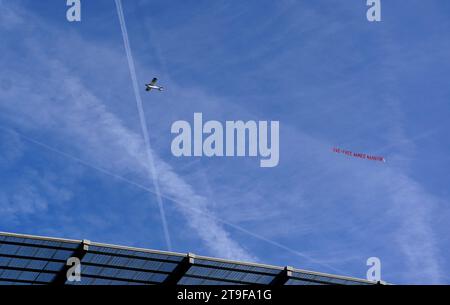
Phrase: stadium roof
{"type": "Point", "coordinates": [27, 259]}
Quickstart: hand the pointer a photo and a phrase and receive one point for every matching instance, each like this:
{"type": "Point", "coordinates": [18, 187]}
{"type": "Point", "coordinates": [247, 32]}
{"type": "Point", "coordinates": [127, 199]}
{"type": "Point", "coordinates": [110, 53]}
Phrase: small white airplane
{"type": "Point", "coordinates": [152, 85]}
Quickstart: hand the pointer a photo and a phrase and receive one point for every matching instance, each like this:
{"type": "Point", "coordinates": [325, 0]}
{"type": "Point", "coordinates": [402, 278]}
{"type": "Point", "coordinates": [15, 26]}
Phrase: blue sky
{"type": "Point", "coordinates": [73, 161]}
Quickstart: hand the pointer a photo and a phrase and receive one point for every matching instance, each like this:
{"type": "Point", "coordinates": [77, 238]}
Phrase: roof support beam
{"type": "Point", "coordinates": [282, 277]}
{"type": "Point", "coordinates": [79, 253]}
{"type": "Point", "coordinates": [180, 270]}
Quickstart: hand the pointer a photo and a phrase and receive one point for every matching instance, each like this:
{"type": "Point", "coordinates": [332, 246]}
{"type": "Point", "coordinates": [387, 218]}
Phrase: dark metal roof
{"type": "Point", "coordinates": [26, 259]}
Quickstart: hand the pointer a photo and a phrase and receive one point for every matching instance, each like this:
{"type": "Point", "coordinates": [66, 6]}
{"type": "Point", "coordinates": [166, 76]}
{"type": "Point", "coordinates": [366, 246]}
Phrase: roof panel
{"type": "Point", "coordinates": [109, 272]}
{"type": "Point", "coordinates": [46, 277]}
{"type": "Point", "coordinates": [8, 249]}
{"type": "Point", "coordinates": [62, 254]}
{"type": "Point", "coordinates": [300, 282]}
{"type": "Point", "coordinates": [139, 263]}
{"type": "Point", "coordinates": [4, 261]}
{"type": "Point", "coordinates": [18, 263]}
{"type": "Point", "coordinates": [54, 266]}
{"type": "Point", "coordinates": [36, 264]}
{"type": "Point", "coordinates": [27, 251]}
{"type": "Point", "coordinates": [39, 242]}
{"type": "Point", "coordinates": [159, 277]}
{"type": "Point", "coordinates": [265, 279]}
{"type": "Point", "coordinates": [188, 280]}
{"type": "Point", "coordinates": [28, 276]}
{"type": "Point", "coordinates": [9, 274]}
{"type": "Point", "coordinates": [96, 258]}
{"type": "Point", "coordinates": [237, 266]}
{"type": "Point", "coordinates": [166, 267]}
{"type": "Point", "coordinates": [233, 276]}
{"type": "Point", "coordinates": [329, 279]}
{"type": "Point", "coordinates": [135, 253]}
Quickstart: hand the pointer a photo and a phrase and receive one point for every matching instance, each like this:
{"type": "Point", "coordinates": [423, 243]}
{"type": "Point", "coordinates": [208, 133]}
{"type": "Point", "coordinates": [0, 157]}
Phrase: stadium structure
{"type": "Point", "coordinates": [34, 260]}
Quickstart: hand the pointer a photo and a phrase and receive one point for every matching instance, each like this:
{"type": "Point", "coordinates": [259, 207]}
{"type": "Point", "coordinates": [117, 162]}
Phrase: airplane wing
{"type": "Point", "coordinates": [154, 80]}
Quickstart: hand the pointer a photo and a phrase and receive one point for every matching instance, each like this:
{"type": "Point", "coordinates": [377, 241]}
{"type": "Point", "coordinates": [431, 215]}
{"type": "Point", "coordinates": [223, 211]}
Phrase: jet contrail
{"type": "Point", "coordinates": [152, 169]}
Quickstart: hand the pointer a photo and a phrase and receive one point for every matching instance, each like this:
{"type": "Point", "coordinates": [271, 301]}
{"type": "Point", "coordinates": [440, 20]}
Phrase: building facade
{"type": "Point", "coordinates": [31, 260]}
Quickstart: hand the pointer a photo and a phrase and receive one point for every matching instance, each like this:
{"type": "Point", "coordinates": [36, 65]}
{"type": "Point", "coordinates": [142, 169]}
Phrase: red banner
{"type": "Point", "coordinates": [358, 155]}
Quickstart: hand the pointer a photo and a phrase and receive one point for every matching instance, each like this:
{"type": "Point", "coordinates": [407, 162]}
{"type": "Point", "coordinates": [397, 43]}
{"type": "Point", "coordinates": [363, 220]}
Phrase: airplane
{"type": "Point", "coordinates": [153, 86]}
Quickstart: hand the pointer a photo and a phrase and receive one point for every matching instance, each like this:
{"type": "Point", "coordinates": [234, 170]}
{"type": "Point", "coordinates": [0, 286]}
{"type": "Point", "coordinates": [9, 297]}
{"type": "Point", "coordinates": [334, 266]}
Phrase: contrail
{"type": "Point", "coordinates": [152, 169]}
